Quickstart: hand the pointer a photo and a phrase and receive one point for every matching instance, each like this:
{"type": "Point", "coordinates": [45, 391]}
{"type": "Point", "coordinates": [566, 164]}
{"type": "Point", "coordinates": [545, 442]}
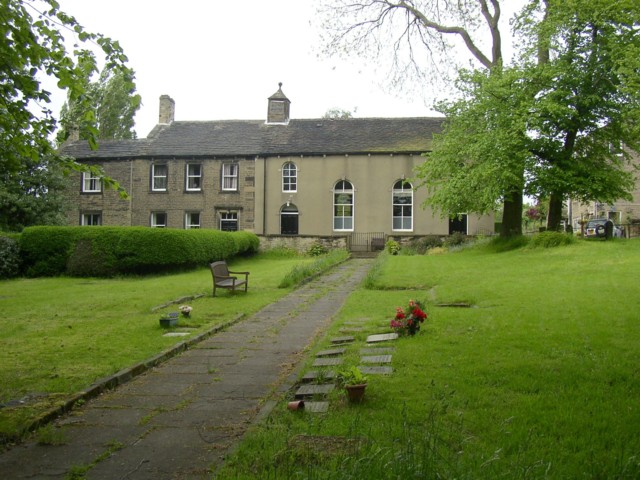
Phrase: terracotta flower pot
{"type": "Point", "coordinates": [355, 393]}
{"type": "Point", "coordinates": [296, 405]}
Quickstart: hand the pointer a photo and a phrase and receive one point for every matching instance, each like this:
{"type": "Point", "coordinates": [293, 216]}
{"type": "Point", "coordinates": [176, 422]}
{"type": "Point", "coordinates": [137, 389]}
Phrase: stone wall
{"type": "Point", "coordinates": [135, 177]}
{"type": "Point", "coordinates": [300, 243]}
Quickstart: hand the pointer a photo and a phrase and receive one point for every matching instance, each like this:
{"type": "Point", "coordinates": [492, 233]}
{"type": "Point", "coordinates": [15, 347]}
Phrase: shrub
{"type": "Point", "coordinates": [106, 251]}
{"type": "Point", "coordinates": [45, 250]}
{"type": "Point", "coordinates": [455, 239]}
{"type": "Point", "coordinates": [420, 246]}
{"type": "Point", "coordinates": [393, 247]}
{"type": "Point", "coordinates": [550, 239]}
{"type": "Point", "coordinates": [317, 249]}
{"type": "Point", "coordinates": [9, 257]}
{"type": "Point", "coordinates": [500, 244]}
{"type": "Point", "coordinates": [301, 273]}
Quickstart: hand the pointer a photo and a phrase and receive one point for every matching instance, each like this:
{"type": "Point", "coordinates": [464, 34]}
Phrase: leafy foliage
{"type": "Point", "coordinates": [9, 257]}
{"type": "Point", "coordinates": [105, 251]}
{"type": "Point", "coordinates": [113, 106]}
{"type": "Point", "coordinates": [32, 195]}
{"type": "Point", "coordinates": [34, 44]}
{"type": "Point", "coordinates": [551, 239]}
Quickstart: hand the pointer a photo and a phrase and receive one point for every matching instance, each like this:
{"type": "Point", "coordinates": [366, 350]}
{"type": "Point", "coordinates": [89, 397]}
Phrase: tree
{"type": "Point", "coordinates": [34, 195]}
{"type": "Point", "coordinates": [586, 102]}
{"type": "Point", "coordinates": [429, 28]}
{"type": "Point", "coordinates": [338, 113]}
{"type": "Point", "coordinates": [34, 35]}
{"type": "Point", "coordinates": [113, 106]}
{"type": "Point", "coordinates": [543, 125]}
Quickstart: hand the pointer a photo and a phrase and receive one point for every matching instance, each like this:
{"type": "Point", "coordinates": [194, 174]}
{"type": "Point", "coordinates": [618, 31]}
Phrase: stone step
{"type": "Point", "coordinates": [327, 362]}
{"type": "Point", "coordinates": [316, 407]}
{"type": "Point", "coordinates": [377, 351]}
{"type": "Point", "coordinates": [312, 390]}
{"type": "Point", "coordinates": [313, 375]}
{"type": "Point", "coordinates": [342, 340]}
{"type": "Point", "coordinates": [334, 352]}
{"type": "Point", "coordinates": [382, 337]}
{"type": "Point", "coordinates": [376, 370]}
{"type": "Point", "coordinates": [376, 359]}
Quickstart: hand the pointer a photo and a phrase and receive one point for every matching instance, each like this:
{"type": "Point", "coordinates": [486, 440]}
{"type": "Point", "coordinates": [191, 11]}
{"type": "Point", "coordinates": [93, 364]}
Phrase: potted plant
{"type": "Point", "coordinates": [354, 382]}
{"type": "Point", "coordinates": [185, 310]}
{"type": "Point", "coordinates": [169, 319]}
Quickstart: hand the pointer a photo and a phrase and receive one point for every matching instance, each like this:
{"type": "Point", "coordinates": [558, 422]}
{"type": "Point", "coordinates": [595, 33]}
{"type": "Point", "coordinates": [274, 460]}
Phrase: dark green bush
{"type": "Point", "coordinates": [317, 249]}
{"type": "Point", "coordinates": [9, 257]}
{"type": "Point", "coordinates": [550, 239]}
{"type": "Point", "coordinates": [247, 242]}
{"type": "Point", "coordinates": [45, 250]}
{"type": "Point", "coordinates": [500, 244]}
{"type": "Point", "coordinates": [106, 251]}
{"type": "Point", "coordinates": [420, 245]}
{"type": "Point", "coordinates": [455, 239]}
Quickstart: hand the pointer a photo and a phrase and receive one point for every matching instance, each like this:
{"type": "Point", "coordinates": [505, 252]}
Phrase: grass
{"type": "Point", "coordinates": [60, 335]}
{"type": "Point", "coordinates": [538, 379]}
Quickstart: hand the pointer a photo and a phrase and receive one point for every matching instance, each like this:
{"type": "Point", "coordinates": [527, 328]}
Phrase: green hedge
{"type": "Point", "coordinates": [107, 251]}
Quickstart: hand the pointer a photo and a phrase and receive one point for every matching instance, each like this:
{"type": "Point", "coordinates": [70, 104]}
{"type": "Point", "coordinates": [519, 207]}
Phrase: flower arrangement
{"type": "Point", "coordinates": [185, 310]}
{"type": "Point", "coordinates": [408, 322]}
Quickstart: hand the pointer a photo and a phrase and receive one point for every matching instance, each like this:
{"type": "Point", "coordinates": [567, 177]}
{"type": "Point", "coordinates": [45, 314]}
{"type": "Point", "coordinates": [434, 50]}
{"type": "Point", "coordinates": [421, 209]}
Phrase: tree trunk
{"type": "Point", "coordinates": [554, 215]}
{"type": "Point", "coordinates": [512, 214]}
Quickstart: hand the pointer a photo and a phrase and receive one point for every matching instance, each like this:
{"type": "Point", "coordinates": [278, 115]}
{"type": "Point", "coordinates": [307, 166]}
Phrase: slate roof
{"type": "Point", "coordinates": [255, 137]}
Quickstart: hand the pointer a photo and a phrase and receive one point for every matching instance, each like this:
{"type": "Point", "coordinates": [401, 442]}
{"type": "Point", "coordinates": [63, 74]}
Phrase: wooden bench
{"type": "Point", "coordinates": [223, 278]}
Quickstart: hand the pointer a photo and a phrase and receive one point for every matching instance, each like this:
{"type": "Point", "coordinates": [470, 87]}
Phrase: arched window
{"type": "Point", "coordinates": [402, 206]}
{"type": "Point", "coordinates": [289, 220]}
{"type": "Point", "coordinates": [289, 177]}
{"type": "Point", "coordinates": [343, 206]}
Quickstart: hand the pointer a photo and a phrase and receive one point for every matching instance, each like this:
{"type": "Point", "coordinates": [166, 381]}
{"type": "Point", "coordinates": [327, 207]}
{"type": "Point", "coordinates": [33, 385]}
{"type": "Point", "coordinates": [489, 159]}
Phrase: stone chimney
{"type": "Point", "coordinates": [167, 110]}
{"type": "Point", "coordinates": [278, 111]}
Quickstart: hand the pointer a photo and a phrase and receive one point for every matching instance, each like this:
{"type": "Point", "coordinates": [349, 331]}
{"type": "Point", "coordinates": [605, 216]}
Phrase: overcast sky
{"type": "Point", "coordinates": [221, 60]}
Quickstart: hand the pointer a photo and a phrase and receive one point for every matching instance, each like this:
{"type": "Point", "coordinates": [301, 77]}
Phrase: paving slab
{"type": "Point", "coordinates": [331, 352]}
{"type": "Point", "coordinates": [340, 340]}
{"type": "Point", "coordinates": [376, 370]}
{"type": "Point", "coordinates": [382, 337]}
{"type": "Point", "coordinates": [312, 390]}
{"type": "Point", "coordinates": [376, 359]}
{"type": "Point", "coordinates": [327, 362]}
{"type": "Point", "coordinates": [313, 375]}
{"type": "Point", "coordinates": [316, 407]}
{"type": "Point", "coordinates": [377, 350]}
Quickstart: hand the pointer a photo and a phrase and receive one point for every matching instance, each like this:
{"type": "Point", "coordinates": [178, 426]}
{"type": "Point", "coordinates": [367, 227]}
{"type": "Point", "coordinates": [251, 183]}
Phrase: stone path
{"type": "Point", "coordinates": [180, 419]}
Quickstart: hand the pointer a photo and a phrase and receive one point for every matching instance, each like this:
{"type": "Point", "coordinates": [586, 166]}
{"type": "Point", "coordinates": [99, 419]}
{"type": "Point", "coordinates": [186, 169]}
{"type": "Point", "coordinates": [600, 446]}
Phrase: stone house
{"type": "Point", "coordinates": [621, 212]}
{"type": "Point", "coordinates": [279, 178]}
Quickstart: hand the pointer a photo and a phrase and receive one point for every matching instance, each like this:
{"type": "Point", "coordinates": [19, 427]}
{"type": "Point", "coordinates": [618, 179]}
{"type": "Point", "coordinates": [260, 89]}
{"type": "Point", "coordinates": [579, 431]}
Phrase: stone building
{"type": "Point", "coordinates": [281, 177]}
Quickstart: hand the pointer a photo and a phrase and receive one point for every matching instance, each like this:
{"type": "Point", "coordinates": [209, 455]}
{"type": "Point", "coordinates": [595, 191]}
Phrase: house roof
{"type": "Point", "coordinates": [257, 138]}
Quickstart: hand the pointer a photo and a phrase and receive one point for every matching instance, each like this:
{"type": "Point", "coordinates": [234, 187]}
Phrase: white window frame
{"type": "Point", "coordinates": [189, 220]}
{"type": "Point", "coordinates": [289, 177]}
{"type": "Point", "coordinates": [230, 217]}
{"type": "Point", "coordinates": [229, 177]}
{"type": "Point", "coordinates": [342, 222]}
{"type": "Point", "coordinates": [154, 220]}
{"type": "Point", "coordinates": [156, 177]}
{"type": "Point", "coordinates": [91, 219]}
{"type": "Point", "coordinates": [91, 183]}
{"type": "Point", "coordinates": [405, 190]}
{"type": "Point", "coordinates": [191, 184]}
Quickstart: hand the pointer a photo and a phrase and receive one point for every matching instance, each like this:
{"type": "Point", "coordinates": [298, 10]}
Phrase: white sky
{"type": "Point", "coordinates": [221, 60]}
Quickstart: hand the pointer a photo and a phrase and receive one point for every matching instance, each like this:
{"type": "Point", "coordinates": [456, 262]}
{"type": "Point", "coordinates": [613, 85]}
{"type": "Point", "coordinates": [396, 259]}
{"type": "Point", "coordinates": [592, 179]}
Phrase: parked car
{"type": "Point", "coordinates": [597, 228]}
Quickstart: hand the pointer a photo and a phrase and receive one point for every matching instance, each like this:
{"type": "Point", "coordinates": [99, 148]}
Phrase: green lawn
{"type": "Point", "coordinates": [60, 335]}
{"type": "Point", "coordinates": [540, 378]}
